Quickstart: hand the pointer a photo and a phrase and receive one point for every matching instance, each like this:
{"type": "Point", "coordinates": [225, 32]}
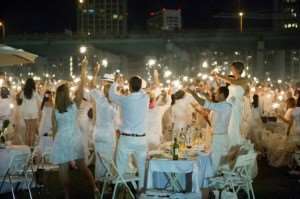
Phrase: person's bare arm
{"type": "Point", "coordinates": [54, 125]}
{"type": "Point", "coordinates": [83, 72]}
{"type": "Point", "coordinates": [197, 98]}
{"type": "Point", "coordinates": [241, 81]}
{"type": "Point", "coordinates": [94, 112]}
{"type": "Point", "coordinates": [95, 75]}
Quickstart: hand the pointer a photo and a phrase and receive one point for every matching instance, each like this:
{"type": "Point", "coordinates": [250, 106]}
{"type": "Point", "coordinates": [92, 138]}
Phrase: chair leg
{"type": "Point", "coordinates": [115, 190]}
{"type": "Point", "coordinates": [12, 188]}
{"type": "Point", "coordinates": [130, 192]}
{"type": "Point", "coordinates": [252, 191]}
{"type": "Point", "coordinates": [3, 181]}
{"type": "Point", "coordinates": [28, 187]}
{"type": "Point", "coordinates": [103, 189]}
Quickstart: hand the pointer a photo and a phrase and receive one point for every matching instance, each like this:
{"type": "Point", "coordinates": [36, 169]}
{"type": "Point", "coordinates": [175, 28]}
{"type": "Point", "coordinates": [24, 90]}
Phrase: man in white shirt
{"type": "Point", "coordinates": [134, 108]}
{"type": "Point", "coordinates": [5, 103]}
{"type": "Point", "coordinates": [220, 121]}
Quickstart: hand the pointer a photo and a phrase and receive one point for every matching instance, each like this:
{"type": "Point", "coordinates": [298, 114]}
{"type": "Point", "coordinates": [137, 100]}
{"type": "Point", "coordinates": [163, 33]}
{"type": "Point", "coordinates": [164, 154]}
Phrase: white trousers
{"type": "Point", "coordinates": [219, 149]}
{"type": "Point", "coordinates": [137, 146]}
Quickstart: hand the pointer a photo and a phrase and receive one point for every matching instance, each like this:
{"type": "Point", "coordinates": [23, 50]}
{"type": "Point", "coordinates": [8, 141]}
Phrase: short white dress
{"type": "Point", "coordinates": [30, 107]}
{"type": "Point", "coordinates": [68, 143]}
{"type": "Point", "coordinates": [45, 130]}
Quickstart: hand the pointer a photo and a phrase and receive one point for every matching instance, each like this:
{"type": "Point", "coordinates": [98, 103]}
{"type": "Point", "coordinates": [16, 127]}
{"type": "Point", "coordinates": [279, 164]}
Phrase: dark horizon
{"type": "Point", "coordinates": [55, 16]}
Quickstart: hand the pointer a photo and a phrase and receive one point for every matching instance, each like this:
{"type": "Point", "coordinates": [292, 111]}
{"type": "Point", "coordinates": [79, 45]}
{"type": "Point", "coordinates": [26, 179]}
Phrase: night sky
{"type": "Point", "coordinates": [40, 16]}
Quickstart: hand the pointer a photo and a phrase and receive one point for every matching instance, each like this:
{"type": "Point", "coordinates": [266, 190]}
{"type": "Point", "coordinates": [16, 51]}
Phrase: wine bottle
{"type": "Point", "coordinates": [175, 149]}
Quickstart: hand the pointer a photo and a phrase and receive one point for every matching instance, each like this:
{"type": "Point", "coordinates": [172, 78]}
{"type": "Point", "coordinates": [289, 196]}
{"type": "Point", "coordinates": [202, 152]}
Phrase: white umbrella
{"type": "Point", "coordinates": [11, 56]}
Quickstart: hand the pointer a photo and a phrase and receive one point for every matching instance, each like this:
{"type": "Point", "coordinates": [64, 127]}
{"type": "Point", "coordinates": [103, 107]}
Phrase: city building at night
{"type": "Point", "coordinates": [102, 17]}
{"type": "Point", "coordinates": [166, 19]}
{"type": "Point", "coordinates": [290, 15]}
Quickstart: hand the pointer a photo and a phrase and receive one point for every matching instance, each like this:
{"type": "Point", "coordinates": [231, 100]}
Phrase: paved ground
{"type": "Point", "coordinates": [271, 183]}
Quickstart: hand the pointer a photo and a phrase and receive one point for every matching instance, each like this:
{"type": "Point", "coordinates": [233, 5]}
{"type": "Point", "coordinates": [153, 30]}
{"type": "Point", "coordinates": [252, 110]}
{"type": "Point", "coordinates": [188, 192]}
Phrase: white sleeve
{"type": "Point", "coordinates": [114, 96]}
{"type": "Point", "coordinates": [213, 106]}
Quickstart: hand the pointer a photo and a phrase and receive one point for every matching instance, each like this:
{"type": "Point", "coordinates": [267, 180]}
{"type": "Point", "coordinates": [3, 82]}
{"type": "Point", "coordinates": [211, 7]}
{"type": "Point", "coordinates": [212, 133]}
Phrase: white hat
{"type": "Point", "coordinates": [108, 77]}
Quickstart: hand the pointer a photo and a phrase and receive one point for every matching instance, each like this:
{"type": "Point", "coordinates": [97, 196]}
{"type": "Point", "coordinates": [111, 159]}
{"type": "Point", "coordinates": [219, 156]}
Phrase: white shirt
{"type": "Point", "coordinates": [182, 112]}
{"type": "Point", "coordinates": [296, 118]}
{"type": "Point", "coordinates": [221, 116]}
{"type": "Point", "coordinates": [5, 110]}
{"type": "Point", "coordinates": [134, 108]}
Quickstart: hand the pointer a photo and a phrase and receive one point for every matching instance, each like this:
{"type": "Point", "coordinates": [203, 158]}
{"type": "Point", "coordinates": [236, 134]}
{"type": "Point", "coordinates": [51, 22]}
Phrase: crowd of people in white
{"type": "Point", "coordinates": [124, 120]}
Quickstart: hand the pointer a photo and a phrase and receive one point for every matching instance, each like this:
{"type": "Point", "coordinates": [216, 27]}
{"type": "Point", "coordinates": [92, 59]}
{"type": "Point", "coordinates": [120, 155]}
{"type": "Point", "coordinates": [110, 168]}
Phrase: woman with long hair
{"type": "Point", "coordinates": [68, 145]}
{"type": "Point", "coordinates": [45, 126]}
{"type": "Point", "coordinates": [237, 89]}
{"type": "Point", "coordinates": [30, 110]}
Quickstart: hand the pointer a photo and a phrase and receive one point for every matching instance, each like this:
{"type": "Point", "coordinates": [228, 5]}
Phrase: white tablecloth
{"type": "Point", "coordinates": [5, 157]}
{"type": "Point", "coordinates": [173, 166]}
{"type": "Point", "coordinates": [201, 169]}
{"type": "Point", "coordinates": [205, 169]}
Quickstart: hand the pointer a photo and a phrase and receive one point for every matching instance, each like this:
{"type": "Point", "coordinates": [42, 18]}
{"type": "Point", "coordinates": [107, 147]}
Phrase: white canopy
{"type": "Point", "coordinates": [11, 56]}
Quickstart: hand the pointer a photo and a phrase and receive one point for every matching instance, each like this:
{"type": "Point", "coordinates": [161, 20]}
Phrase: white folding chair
{"type": "Point", "coordinates": [113, 176]}
{"type": "Point", "coordinates": [238, 178]}
{"type": "Point", "coordinates": [17, 173]}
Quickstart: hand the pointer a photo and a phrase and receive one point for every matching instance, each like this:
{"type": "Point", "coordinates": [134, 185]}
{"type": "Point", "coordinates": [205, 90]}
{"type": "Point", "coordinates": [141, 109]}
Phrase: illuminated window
{"type": "Point", "coordinates": [115, 16]}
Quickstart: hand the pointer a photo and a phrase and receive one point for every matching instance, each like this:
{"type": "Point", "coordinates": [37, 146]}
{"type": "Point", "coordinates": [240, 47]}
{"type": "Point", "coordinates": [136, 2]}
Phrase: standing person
{"type": "Point", "coordinates": [45, 127]}
{"type": "Point", "coordinates": [237, 89]}
{"type": "Point", "coordinates": [30, 110]}
{"type": "Point", "coordinates": [104, 122]}
{"type": "Point", "coordinates": [104, 128]}
{"type": "Point", "coordinates": [221, 114]}
{"type": "Point", "coordinates": [181, 119]}
{"type": "Point", "coordinates": [134, 108]}
{"type": "Point", "coordinates": [295, 123]}
{"type": "Point", "coordinates": [68, 145]}
{"type": "Point", "coordinates": [157, 109]}
{"type": "Point", "coordinates": [5, 109]}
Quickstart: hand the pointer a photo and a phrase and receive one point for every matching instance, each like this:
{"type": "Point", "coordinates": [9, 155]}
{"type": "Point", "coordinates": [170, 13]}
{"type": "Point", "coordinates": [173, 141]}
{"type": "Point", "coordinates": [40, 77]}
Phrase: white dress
{"type": "Point", "coordinates": [67, 144]}
{"type": "Point", "coordinates": [30, 107]}
{"type": "Point", "coordinates": [236, 94]}
{"type": "Point", "coordinates": [104, 130]}
{"type": "Point", "coordinates": [295, 130]}
{"type": "Point", "coordinates": [45, 127]}
{"type": "Point", "coordinates": [85, 125]}
{"type": "Point", "coordinates": [154, 123]}
{"type": "Point", "coordinates": [182, 114]}
{"type": "Point", "coordinates": [246, 117]}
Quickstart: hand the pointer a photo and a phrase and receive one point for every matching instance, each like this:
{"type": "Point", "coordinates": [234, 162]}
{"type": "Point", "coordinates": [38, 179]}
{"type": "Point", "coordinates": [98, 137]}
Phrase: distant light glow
{"type": "Point", "coordinates": [204, 77]}
{"type": "Point", "coordinates": [151, 62]}
{"type": "Point", "coordinates": [104, 63]}
{"type": "Point", "coordinates": [167, 73]}
{"type": "Point", "coordinates": [82, 49]}
{"type": "Point", "coordinates": [275, 105]}
{"type": "Point", "coordinates": [204, 64]}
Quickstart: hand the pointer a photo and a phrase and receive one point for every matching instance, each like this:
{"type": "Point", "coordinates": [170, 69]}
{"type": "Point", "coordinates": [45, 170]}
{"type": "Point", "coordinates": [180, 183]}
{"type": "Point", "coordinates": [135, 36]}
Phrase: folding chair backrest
{"type": "Point", "coordinates": [243, 164]}
{"type": "Point", "coordinates": [108, 165]}
{"type": "Point", "coordinates": [18, 163]}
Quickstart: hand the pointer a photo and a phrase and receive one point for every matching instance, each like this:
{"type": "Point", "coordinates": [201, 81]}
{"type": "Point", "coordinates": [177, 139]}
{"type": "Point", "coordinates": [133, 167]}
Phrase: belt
{"type": "Point", "coordinates": [133, 135]}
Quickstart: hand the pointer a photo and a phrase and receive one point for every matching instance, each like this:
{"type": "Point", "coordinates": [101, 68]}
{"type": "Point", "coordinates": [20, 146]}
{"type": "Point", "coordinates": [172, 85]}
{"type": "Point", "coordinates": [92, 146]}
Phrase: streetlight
{"type": "Point", "coordinates": [241, 14]}
{"type": "Point", "coordinates": [2, 26]}
{"type": "Point", "coordinates": [82, 49]}
{"type": "Point", "coordinates": [81, 6]}
{"type": "Point", "coordinates": [104, 63]}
